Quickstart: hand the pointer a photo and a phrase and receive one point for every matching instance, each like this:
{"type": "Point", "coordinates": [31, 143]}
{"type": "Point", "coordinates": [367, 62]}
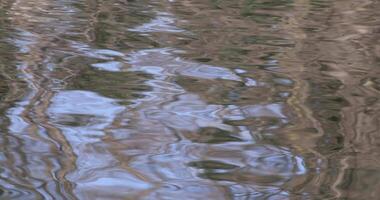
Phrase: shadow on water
{"type": "Point", "coordinates": [216, 99]}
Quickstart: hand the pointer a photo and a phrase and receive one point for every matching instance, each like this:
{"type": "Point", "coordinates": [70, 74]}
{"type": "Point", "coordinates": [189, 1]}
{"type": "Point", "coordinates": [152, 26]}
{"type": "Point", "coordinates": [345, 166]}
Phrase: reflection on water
{"type": "Point", "coordinates": [246, 99]}
{"type": "Point", "coordinates": [163, 22]}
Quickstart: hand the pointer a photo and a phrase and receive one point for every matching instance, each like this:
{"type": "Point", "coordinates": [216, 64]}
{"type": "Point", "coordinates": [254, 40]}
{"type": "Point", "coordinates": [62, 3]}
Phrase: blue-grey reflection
{"type": "Point", "coordinates": [163, 63]}
{"type": "Point", "coordinates": [168, 143]}
{"type": "Point", "coordinates": [84, 118]}
{"type": "Point", "coordinates": [163, 22]}
{"type": "Point", "coordinates": [113, 66]}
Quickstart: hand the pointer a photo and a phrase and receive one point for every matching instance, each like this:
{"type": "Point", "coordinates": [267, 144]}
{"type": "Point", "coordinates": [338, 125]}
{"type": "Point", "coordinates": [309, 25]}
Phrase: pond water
{"type": "Point", "coordinates": [189, 99]}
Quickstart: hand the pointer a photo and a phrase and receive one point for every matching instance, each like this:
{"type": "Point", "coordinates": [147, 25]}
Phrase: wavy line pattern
{"type": "Point", "coordinates": [245, 99]}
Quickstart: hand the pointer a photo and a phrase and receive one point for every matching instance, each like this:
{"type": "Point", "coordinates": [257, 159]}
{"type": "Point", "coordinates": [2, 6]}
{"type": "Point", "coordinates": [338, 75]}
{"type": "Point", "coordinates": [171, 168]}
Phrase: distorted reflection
{"type": "Point", "coordinates": [189, 99]}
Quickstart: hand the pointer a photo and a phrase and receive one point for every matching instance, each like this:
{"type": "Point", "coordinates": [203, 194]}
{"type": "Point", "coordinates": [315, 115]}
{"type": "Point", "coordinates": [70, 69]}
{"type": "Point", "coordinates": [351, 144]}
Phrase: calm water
{"type": "Point", "coordinates": [189, 99]}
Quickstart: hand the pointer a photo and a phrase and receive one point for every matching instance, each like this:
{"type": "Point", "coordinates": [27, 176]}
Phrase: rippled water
{"type": "Point", "coordinates": [180, 99]}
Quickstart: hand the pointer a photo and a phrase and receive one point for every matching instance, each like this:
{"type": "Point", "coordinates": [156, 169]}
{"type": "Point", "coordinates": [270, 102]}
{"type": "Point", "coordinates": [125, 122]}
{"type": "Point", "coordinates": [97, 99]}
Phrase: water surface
{"type": "Point", "coordinates": [200, 99]}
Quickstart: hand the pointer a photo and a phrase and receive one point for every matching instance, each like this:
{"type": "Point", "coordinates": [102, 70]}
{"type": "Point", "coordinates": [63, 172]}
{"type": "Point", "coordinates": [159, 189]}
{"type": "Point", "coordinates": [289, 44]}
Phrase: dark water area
{"type": "Point", "coordinates": [189, 99]}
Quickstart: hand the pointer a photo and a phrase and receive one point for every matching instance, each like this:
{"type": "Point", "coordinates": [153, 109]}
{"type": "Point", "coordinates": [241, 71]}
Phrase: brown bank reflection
{"type": "Point", "coordinates": [343, 93]}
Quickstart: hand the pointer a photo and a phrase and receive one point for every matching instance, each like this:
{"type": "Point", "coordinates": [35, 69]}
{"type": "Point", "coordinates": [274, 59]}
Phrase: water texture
{"type": "Point", "coordinates": [189, 99]}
